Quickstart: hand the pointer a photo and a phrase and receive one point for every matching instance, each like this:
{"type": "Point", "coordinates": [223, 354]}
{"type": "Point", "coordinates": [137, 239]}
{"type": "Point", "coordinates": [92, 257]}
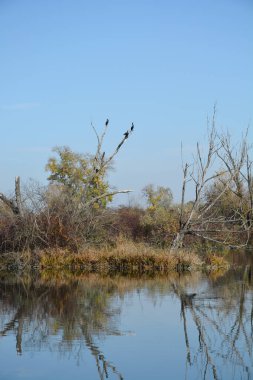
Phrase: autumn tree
{"type": "Point", "coordinates": [159, 220]}
{"type": "Point", "coordinates": [159, 197]}
{"type": "Point", "coordinates": [70, 211]}
{"type": "Point", "coordinates": [84, 176]}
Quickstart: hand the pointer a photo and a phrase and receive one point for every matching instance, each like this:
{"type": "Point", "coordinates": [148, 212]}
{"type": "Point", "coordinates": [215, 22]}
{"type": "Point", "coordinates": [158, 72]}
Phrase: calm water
{"type": "Point", "coordinates": [88, 327]}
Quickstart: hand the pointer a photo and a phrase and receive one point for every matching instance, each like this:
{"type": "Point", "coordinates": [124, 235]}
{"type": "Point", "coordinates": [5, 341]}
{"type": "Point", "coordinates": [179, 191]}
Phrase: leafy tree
{"type": "Point", "coordinates": [159, 221]}
{"type": "Point", "coordinates": [71, 211]}
{"type": "Point", "coordinates": [161, 197]}
{"type": "Point", "coordinates": [83, 176]}
{"type": "Point", "coordinates": [78, 175]}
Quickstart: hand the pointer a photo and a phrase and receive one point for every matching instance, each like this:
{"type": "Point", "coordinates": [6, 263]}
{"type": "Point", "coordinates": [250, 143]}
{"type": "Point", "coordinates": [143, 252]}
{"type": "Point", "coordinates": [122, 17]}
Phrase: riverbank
{"type": "Point", "coordinates": [126, 257]}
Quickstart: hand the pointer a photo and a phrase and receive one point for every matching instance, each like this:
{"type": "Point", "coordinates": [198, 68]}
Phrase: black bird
{"type": "Point", "coordinates": [126, 134]}
{"type": "Point", "coordinates": [120, 145]}
{"type": "Point", "coordinates": [132, 127]}
{"type": "Point", "coordinates": [107, 122]}
{"type": "Point", "coordinates": [188, 298]}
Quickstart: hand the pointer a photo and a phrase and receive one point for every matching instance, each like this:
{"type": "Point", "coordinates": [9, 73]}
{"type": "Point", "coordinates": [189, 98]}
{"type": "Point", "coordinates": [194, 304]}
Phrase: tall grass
{"type": "Point", "coordinates": [126, 256]}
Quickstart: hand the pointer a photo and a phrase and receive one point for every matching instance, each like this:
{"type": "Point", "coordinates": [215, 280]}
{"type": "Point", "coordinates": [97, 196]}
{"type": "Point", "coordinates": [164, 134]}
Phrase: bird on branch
{"type": "Point", "coordinates": [107, 122]}
{"type": "Point", "coordinates": [126, 134]}
{"type": "Point", "coordinates": [120, 145]}
{"type": "Point", "coordinates": [132, 127]}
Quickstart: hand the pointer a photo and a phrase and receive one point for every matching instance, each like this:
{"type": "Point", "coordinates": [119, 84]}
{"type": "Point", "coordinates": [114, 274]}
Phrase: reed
{"type": "Point", "coordinates": [126, 256]}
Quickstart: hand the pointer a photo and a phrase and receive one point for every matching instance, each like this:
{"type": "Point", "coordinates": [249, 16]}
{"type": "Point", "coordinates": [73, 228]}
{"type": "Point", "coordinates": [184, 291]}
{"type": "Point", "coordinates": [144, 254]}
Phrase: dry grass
{"type": "Point", "coordinates": [215, 261]}
{"type": "Point", "coordinates": [125, 257]}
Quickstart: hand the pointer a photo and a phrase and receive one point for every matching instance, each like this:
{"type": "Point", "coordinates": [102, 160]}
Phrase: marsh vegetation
{"type": "Point", "coordinates": [71, 219]}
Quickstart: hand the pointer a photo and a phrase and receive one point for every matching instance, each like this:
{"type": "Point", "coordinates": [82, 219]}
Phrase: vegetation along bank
{"type": "Point", "coordinates": [70, 222]}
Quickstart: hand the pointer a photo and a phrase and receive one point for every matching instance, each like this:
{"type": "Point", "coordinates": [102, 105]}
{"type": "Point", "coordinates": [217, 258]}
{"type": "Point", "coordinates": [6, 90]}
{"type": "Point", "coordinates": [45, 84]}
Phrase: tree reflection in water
{"type": "Point", "coordinates": [223, 318]}
{"type": "Point", "coordinates": [76, 311]}
{"type": "Point", "coordinates": [79, 310]}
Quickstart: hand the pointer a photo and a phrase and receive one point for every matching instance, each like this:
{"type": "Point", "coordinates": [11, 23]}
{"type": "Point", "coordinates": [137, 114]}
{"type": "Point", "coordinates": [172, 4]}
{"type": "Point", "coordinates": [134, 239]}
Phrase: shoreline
{"type": "Point", "coordinates": [126, 258]}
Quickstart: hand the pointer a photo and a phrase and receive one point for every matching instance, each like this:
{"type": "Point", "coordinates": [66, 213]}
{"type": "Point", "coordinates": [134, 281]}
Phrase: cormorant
{"type": "Point", "coordinates": [187, 298]}
{"type": "Point", "coordinates": [107, 122]}
{"type": "Point", "coordinates": [126, 134]}
{"type": "Point", "coordinates": [119, 146]}
{"type": "Point", "coordinates": [132, 127]}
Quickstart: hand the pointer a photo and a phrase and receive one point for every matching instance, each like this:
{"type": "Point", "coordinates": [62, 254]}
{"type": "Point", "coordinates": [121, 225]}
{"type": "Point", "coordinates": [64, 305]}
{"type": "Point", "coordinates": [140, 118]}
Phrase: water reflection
{"type": "Point", "coordinates": [74, 310]}
{"type": "Point", "coordinates": [216, 314]}
{"type": "Point", "coordinates": [223, 318]}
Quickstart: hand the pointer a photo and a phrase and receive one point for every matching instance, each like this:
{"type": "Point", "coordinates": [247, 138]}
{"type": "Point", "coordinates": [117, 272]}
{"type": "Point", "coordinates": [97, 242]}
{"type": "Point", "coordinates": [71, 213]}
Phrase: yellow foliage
{"type": "Point", "coordinates": [76, 172]}
{"type": "Point", "coordinates": [216, 261]}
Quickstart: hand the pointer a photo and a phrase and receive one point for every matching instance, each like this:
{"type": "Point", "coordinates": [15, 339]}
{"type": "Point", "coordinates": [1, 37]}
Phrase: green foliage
{"type": "Point", "coordinates": [159, 221]}
{"type": "Point", "coordinates": [158, 198]}
{"type": "Point", "coordinates": [80, 175]}
{"type": "Point", "coordinates": [160, 225]}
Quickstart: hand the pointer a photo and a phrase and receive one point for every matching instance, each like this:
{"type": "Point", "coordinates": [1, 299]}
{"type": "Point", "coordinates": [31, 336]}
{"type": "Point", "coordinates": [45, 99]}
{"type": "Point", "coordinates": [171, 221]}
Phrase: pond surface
{"type": "Point", "coordinates": [189, 326]}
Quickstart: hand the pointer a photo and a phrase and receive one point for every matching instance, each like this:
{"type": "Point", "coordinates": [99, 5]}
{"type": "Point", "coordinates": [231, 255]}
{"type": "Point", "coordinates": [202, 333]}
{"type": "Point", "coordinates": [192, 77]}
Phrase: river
{"type": "Point", "coordinates": [86, 326]}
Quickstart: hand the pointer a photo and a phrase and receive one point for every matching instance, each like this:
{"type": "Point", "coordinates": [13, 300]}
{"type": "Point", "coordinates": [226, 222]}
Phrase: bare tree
{"type": "Point", "coordinates": [229, 167]}
{"type": "Point", "coordinates": [208, 314]}
{"type": "Point", "coordinates": [15, 205]}
{"type": "Point", "coordinates": [239, 166]}
{"type": "Point", "coordinates": [102, 162]}
{"type": "Point", "coordinates": [63, 213]}
{"type": "Point", "coordinates": [85, 175]}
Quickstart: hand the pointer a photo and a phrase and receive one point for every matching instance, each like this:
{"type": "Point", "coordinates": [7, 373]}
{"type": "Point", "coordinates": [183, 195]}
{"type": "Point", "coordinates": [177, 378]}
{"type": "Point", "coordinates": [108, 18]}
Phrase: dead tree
{"type": "Point", "coordinates": [231, 169]}
{"type": "Point", "coordinates": [15, 205]}
{"type": "Point", "coordinates": [239, 166]}
{"type": "Point", "coordinates": [217, 335]}
{"type": "Point", "coordinates": [101, 162]}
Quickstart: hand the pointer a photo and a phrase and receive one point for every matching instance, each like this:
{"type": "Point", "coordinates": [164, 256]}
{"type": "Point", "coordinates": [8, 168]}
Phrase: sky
{"type": "Point", "coordinates": [161, 64]}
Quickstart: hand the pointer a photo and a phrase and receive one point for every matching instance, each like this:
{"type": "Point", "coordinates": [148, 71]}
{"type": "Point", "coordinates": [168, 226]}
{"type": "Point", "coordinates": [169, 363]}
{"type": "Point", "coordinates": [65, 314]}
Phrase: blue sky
{"type": "Point", "coordinates": [161, 64]}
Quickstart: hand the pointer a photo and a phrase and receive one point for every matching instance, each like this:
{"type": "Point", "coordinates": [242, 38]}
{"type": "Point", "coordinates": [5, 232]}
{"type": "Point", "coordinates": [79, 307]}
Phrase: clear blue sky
{"type": "Point", "coordinates": [159, 63]}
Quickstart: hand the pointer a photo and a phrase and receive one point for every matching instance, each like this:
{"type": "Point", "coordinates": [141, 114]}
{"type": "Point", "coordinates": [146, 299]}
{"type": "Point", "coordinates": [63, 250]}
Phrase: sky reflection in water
{"type": "Point", "coordinates": [177, 327]}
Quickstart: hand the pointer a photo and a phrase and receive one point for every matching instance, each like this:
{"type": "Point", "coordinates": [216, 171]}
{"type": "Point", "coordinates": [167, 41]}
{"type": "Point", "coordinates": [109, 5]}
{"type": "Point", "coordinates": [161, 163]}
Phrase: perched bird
{"type": "Point", "coordinates": [188, 298]}
{"type": "Point", "coordinates": [126, 134]}
{"type": "Point", "coordinates": [132, 127]}
{"type": "Point", "coordinates": [190, 295]}
{"type": "Point", "coordinates": [107, 122]}
{"type": "Point", "coordinates": [120, 145]}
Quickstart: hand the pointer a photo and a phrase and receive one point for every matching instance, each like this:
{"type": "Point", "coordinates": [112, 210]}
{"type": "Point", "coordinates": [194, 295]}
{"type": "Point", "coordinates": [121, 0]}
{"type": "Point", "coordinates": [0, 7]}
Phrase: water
{"type": "Point", "coordinates": [191, 326]}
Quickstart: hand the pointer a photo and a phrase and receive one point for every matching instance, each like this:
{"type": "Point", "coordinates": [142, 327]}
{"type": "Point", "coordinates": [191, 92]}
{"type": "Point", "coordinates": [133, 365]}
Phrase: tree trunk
{"type": "Point", "coordinates": [16, 207]}
{"type": "Point", "coordinates": [18, 196]}
{"type": "Point", "coordinates": [178, 240]}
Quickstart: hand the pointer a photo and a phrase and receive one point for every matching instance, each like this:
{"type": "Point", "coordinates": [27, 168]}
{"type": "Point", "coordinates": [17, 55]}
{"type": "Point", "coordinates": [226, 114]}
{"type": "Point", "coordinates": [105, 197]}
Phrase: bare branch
{"type": "Point", "coordinates": [105, 195]}
{"type": "Point", "coordinates": [9, 203]}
